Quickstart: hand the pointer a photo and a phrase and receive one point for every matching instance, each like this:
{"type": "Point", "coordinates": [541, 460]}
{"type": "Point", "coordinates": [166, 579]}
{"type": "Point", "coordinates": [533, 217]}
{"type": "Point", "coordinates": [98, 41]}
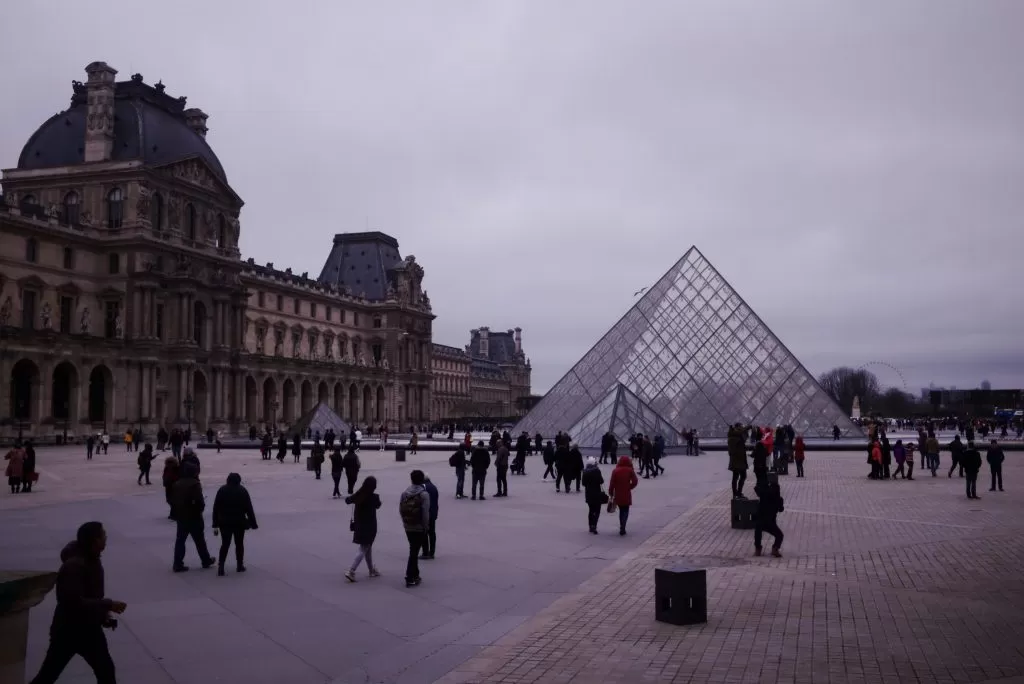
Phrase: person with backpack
{"type": "Point", "coordinates": [458, 461]}
{"type": "Point", "coordinates": [232, 516]}
{"type": "Point", "coordinates": [365, 503]}
{"type": "Point", "coordinates": [769, 505]}
{"type": "Point", "coordinates": [414, 509]}
{"type": "Point", "coordinates": [145, 461]}
{"type": "Point", "coordinates": [351, 464]}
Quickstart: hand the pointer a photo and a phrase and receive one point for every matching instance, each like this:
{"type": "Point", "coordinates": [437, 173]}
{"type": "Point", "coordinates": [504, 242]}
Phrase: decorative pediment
{"type": "Point", "coordinates": [32, 281]}
{"type": "Point", "coordinates": [110, 293]}
{"type": "Point", "coordinates": [196, 172]}
{"type": "Point", "coordinates": [69, 288]}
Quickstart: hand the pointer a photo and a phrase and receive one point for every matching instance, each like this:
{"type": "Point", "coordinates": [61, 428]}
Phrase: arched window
{"type": "Point", "coordinates": [28, 204]}
{"type": "Point", "coordinates": [156, 209]}
{"type": "Point", "coordinates": [115, 208]}
{"type": "Point", "coordinates": [222, 231]}
{"type": "Point", "coordinates": [190, 223]}
{"type": "Point", "coordinates": [70, 213]}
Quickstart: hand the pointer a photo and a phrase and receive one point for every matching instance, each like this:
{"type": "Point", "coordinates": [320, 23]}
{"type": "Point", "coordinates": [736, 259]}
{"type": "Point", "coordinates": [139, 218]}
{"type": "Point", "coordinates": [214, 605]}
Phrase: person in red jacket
{"type": "Point", "coordinates": [620, 489]}
{"type": "Point", "coordinates": [798, 455]}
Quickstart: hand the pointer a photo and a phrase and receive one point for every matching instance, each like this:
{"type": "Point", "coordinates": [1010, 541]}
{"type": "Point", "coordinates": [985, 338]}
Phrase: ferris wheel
{"type": "Point", "coordinates": [889, 370]}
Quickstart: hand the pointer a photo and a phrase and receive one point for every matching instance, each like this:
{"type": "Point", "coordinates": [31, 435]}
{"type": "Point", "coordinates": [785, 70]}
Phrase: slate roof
{"type": "Point", "coordinates": [148, 126]}
{"type": "Point", "coordinates": [501, 346]}
{"type": "Point", "coordinates": [360, 262]}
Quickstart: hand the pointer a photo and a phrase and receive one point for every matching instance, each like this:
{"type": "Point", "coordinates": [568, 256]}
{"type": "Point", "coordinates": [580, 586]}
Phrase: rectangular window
{"type": "Point", "coordinates": [112, 312]}
{"type": "Point", "coordinates": [262, 300]}
{"type": "Point", "coordinates": [298, 305]}
{"type": "Point", "coordinates": [280, 302]}
{"type": "Point", "coordinates": [69, 258]}
{"type": "Point", "coordinates": [28, 309]}
{"type": "Point", "coordinates": [378, 354]}
{"type": "Point", "coordinates": [312, 310]}
{"type": "Point", "coordinates": [31, 251]}
{"type": "Point", "coordinates": [376, 322]}
{"type": "Point", "coordinates": [115, 263]}
{"type": "Point", "coordinates": [355, 318]}
{"type": "Point", "coordinates": [67, 310]}
{"type": "Point", "coordinates": [341, 316]}
{"type": "Point", "coordinates": [159, 321]}
{"type": "Point", "coordinates": [327, 313]}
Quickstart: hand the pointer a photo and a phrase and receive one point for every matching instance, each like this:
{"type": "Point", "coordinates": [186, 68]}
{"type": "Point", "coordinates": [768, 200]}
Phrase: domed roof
{"type": "Point", "coordinates": [148, 126]}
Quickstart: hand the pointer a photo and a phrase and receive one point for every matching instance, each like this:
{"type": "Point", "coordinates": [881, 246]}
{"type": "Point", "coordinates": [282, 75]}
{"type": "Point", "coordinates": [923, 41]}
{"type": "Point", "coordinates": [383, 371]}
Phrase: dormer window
{"type": "Point", "coordinates": [70, 213]}
{"type": "Point", "coordinates": [115, 209]}
{"type": "Point", "coordinates": [190, 223]}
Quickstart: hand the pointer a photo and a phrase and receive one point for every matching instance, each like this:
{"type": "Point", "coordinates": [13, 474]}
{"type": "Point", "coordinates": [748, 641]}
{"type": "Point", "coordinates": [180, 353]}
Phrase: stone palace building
{"type": "Point", "coordinates": [125, 303]}
{"type": "Point", "coordinates": [489, 378]}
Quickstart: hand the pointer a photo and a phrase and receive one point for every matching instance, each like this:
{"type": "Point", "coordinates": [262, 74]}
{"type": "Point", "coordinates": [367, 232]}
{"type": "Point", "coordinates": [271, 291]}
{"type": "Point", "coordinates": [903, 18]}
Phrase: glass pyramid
{"type": "Point", "coordinates": [623, 414]}
{"type": "Point", "coordinates": [697, 357]}
{"type": "Point", "coordinates": [320, 418]}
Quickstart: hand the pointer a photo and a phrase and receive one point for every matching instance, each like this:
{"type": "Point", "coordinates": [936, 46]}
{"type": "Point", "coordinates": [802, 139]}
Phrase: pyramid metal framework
{"type": "Point", "coordinates": [623, 414]}
{"type": "Point", "coordinates": [696, 356]}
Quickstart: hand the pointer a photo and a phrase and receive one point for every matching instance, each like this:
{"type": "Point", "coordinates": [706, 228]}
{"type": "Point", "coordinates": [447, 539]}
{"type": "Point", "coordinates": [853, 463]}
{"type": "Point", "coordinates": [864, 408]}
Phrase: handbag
{"type": "Point", "coordinates": [604, 497]}
{"type": "Point", "coordinates": [611, 506]}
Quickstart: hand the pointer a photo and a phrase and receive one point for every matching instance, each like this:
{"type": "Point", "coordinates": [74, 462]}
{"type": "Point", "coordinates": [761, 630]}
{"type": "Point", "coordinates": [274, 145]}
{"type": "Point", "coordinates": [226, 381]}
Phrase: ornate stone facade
{"type": "Point", "coordinates": [124, 301]}
{"type": "Point", "coordinates": [489, 378]}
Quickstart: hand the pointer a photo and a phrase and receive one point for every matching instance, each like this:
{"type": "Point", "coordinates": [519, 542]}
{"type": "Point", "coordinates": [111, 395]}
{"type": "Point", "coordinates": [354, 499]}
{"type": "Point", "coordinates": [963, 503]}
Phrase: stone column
{"type": "Point", "coordinates": [19, 592]}
{"type": "Point", "coordinates": [220, 392]}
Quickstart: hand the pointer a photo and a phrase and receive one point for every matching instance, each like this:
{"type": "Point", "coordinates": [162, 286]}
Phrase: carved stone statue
{"type": "Point", "coordinates": [85, 219]}
{"type": "Point", "coordinates": [385, 364]}
{"type": "Point", "coordinates": [53, 211]}
{"type": "Point", "coordinates": [261, 339]}
{"type": "Point", "coordinates": [362, 360]}
{"type": "Point", "coordinates": [329, 349]}
{"type": "Point", "coordinates": [142, 205]}
{"type": "Point", "coordinates": [5, 312]}
{"type": "Point", "coordinates": [44, 316]}
{"type": "Point", "coordinates": [85, 320]}
{"type": "Point", "coordinates": [118, 327]}
{"type": "Point", "coordinates": [296, 346]}
{"type": "Point", "coordinates": [278, 343]}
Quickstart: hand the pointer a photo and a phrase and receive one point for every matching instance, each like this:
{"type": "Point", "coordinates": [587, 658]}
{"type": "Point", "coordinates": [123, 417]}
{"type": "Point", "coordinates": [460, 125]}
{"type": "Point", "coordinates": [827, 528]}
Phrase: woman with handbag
{"type": "Point", "coordinates": [232, 516]}
{"type": "Point", "coordinates": [620, 490]}
{"type": "Point", "coordinates": [594, 495]}
{"type": "Point", "coordinates": [365, 503]}
{"type": "Point", "coordinates": [15, 467]}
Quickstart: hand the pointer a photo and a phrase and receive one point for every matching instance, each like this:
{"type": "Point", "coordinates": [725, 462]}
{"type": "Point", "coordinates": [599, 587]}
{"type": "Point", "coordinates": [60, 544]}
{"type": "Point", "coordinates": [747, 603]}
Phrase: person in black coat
{"type": "Point", "coordinates": [594, 495]}
{"type": "Point", "coordinates": [82, 610]}
{"type": "Point", "coordinates": [760, 456]}
{"type": "Point", "coordinates": [563, 467]}
{"type": "Point", "coordinates": [282, 447]}
{"type": "Point", "coordinates": [145, 461]}
{"type": "Point", "coordinates": [365, 503]}
{"type": "Point", "coordinates": [970, 461]}
{"type": "Point", "coordinates": [232, 516]}
{"type": "Point", "coordinates": [995, 458]}
{"type": "Point", "coordinates": [548, 454]}
{"type": "Point", "coordinates": [458, 461]}
{"type": "Point", "coordinates": [576, 466]}
{"type": "Point", "coordinates": [479, 462]}
{"type": "Point", "coordinates": [187, 505]}
{"type": "Point", "coordinates": [769, 506]}
{"type": "Point", "coordinates": [28, 467]}
{"type": "Point", "coordinates": [337, 468]}
{"type": "Point", "coordinates": [296, 446]}
{"type": "Point", "coordinates": [351, 464]}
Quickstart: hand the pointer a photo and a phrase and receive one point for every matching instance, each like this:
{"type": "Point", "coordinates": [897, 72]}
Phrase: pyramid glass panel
{"type": "Point", "coordinates": [689, 354]}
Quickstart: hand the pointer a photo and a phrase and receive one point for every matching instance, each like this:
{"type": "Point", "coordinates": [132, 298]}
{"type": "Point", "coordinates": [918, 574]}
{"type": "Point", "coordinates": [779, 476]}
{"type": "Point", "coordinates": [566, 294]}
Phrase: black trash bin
{"type": "Point", "coordinates": [400, 455]}
{"type": "Point", "coordinates": [680, 595]}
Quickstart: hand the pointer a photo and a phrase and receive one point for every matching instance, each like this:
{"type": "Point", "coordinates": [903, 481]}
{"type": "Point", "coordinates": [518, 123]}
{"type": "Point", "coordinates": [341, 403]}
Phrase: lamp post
{"type": "Point", "coordinates": [189, 405]}
{"type": "Point", "coordinates": [274, 404]}
{"type": "Point", "coordinates": [64, 440]}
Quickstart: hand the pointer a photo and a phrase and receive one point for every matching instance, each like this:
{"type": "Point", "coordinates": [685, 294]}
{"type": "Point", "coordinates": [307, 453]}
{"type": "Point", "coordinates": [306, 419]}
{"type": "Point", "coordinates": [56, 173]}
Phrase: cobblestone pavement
{"type": "Point", "coordinates": [880, 582]}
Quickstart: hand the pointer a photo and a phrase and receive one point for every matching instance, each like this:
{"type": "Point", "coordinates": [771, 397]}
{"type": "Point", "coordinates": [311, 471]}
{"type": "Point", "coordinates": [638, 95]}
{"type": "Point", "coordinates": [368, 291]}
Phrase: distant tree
{"type": "Point", "coordinates": [843, 384]}
{"type": "Point", "coordinates": [986, 385]}
{"type": "Point", "coordinates": [895, 403]}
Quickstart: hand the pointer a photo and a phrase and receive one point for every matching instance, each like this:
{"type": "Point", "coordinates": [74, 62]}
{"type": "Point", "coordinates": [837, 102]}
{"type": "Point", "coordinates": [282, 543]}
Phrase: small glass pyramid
{"type": "Point", "coordinates": [623, 414]}
{"type": "Point", "coordinates": [693, 355]}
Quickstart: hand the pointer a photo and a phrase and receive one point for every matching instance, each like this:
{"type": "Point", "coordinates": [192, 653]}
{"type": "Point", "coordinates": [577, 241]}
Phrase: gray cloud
{"type": "Point", "coordinates": [854, 169]}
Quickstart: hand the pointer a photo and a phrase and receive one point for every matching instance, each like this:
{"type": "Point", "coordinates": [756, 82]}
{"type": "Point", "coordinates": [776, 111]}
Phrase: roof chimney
{"type": "Point", "coordinates": [196, 120]}
{"type": "Point", "coordinates": [99, 129]}
{"type": "Point", "coordinates": [485, 348]}
{"type": "Point", "coordinates": [519, 341]}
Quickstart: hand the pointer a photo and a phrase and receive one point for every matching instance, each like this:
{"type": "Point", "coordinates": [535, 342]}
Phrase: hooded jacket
{"type": "Point", "coordinates": [479, 460]}
{"type": "Point", "coordinates": [737, 450]}
{"type": "Point", "coordinates": [232, 507]}
{"type": "Point", "coordinates": [187, 503]}
{"type": "Point", "coordinates": [622, 482]}
{"type": "Point", "coordinates": [81, 604]}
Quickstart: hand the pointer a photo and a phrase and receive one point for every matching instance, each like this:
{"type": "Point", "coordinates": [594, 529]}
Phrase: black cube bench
{"type": "Point", "coordinates": [680, 595]}
{"type": "Point", "coordinates": [743, 513]}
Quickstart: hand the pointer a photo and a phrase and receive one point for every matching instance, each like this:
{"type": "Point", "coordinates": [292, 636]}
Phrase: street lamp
{"type": "Point", "coordinates": [274, 404]}
{"type": "Point", "coordinates": [64, 441]}
{"type": "Point", "coordinates": [189, 405]}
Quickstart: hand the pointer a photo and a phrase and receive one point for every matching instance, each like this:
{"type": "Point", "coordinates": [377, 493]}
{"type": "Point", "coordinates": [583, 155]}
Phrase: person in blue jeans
{"type": "Point", "coordinates": [621, 484]}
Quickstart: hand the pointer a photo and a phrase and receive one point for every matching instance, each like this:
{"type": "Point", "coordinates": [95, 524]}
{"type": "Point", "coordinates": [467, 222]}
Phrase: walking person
{"type": "Point", "coordinates": [886, 457]}
{"type": "Point", "coordinates": [910, 460]}
{"type": "Point", "coordinates": [28, 468]}
{"type": "Point", "coordinates": [593, 494]}
{"type": "Point", "coordinates": [105, 441]}
{"type": "Point", "coordinates": [759, 455]}
{"type": "Point", "coordinates": [970, 461]}
{"type": "Point", "coordinates": [351, 465]}
{"type": "Point", "coordinates": [479, 462]}
{"type": "Point", "coordinates": [414, 508]}
{"type": "Point", "coordinates": [82, 611]}
{"type": "Point", "coordinates": [90, 444]}
{"type": "Point", "coordinates": [128, 437]}
{"type": "Point", "coordinates": [575, 466]}
{"type": "Point", "coordinates": [899, 454]}
{"type": "Point", "coordinates": [995, 458]}
{"type": "Point", "coordinates": [187, 505]}
{"type": "Point", "coordinates": [458, 461]}
{"type": "Point", "coordinates": [15, 467]}
{"type": "Point", "coordinates": [430, 540]}
{"type": "Point", "coordinates": [296, 446]}
{"type": "Point", "coordinates": [548, 454]}
{"type": "Point", "coordinates": [172, 470]}
{"type": "Point", "coordinates": [318, 459]}
{"type": "Point", "coordinates": [956, 450]}
{"type": "Point", "coordinates": [799, 454]}
{"type": "Point", "coordinates": [337, 468]}
{"type": "Point", "coordinates": [932, 451]}
{"type": "Point", "coordinates": [621, 484]}
{"type": "Point", "coordinates": [414, 442]}
{"type": "Point", "coordinates": [563, 467]}
{"type": "Point", "coordinates": [501, 469]}
{"type": "Point", "coordinates": [363, 524]}
{"type": "Point", "coordinates": [145, 461]}
{"type": "Point", "coordinates": [769, 505]}
{"type": "Point", "coordinates": [735, 445]}
{"type": "Point", "coordinates": [232, 516]}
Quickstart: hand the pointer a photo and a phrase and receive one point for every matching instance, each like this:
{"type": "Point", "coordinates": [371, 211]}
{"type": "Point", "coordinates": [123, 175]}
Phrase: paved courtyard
{"type": "Point", "coordinates": [880, 582]}
{"type": "Point", "coordinates": [293, 618]}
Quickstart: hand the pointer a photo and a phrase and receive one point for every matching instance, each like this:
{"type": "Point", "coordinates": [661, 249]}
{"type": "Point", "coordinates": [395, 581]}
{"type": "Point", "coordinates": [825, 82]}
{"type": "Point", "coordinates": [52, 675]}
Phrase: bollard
{"type": "Point", "coordinates": [19, 592]}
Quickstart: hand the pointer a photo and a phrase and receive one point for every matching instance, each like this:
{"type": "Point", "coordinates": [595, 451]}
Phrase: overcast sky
{"type": "Point", "coordinates": [854, 169]}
